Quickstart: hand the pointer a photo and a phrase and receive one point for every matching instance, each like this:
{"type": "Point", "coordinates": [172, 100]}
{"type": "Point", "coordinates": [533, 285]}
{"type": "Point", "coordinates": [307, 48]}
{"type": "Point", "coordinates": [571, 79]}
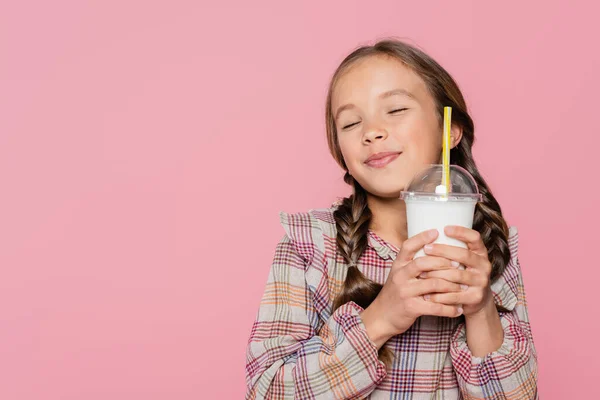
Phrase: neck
{"type": "Point", "coordinates": [389, 219]}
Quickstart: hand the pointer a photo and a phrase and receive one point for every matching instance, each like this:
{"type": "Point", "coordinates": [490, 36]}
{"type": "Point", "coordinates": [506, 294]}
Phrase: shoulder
{"type": "Point", "coordinates": [306, 226]}
{"type": "Point", "coordinates": [307, 229]}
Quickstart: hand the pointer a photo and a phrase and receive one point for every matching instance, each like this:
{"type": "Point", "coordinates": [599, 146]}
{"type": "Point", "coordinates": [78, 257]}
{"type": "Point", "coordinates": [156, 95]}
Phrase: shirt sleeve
{"type": "Point", "coordinates": [511, 371]}
{"type": "Point", "coordinates": [294, 354]}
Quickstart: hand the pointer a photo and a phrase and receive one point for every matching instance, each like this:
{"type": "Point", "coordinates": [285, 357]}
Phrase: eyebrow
{"type": "Point", "coordinates": [383, 95]}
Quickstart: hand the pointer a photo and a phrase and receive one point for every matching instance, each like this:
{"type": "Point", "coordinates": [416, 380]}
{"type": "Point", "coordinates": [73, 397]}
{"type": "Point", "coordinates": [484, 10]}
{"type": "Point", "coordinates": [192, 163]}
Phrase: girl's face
{"type": "Point", "coordinates": [380, 105]}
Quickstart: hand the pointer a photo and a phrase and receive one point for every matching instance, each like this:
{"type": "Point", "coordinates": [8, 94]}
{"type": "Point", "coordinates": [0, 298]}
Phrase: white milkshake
{"type": "Point", "coordinates": [430, 206]}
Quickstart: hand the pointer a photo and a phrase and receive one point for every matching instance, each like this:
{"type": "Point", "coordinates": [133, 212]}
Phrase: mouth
{"type": "Point", "coordinates": [380, 161]}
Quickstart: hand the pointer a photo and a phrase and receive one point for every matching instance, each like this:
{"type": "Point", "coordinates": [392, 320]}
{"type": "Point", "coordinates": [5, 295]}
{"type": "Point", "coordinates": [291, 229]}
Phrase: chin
{"type": "Point", "coordinates": [386, 193]}
{"type": "Point", "coordinates": [384, 187]}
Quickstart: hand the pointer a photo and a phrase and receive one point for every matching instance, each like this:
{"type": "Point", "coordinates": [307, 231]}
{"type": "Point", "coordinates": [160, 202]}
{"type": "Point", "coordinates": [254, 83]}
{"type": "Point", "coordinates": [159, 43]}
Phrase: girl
{"type": "Point", "coordinates": [347, 313]}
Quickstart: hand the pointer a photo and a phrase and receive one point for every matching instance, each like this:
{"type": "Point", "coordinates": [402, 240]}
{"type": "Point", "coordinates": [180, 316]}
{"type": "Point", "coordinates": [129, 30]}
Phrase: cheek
{"type": "Point", "coordinates": [425, 145]}
{"type": "Point", "coordinates": [349, 152]}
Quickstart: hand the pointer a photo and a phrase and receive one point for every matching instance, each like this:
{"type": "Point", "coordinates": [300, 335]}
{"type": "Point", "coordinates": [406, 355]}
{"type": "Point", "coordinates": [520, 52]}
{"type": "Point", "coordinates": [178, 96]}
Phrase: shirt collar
{"type": "Point", "coordinates": [385, 250]}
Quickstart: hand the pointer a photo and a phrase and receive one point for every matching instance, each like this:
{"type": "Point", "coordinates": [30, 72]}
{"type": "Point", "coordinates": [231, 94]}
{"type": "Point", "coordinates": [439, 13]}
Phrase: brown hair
{"type": "Point", "coordinates": [353, 215]}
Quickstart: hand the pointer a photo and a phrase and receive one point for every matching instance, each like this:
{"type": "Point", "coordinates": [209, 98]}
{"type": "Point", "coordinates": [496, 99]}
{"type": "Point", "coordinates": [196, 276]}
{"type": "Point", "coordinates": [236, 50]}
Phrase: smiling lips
{"type": "Point", "coordinates": [380, 160]}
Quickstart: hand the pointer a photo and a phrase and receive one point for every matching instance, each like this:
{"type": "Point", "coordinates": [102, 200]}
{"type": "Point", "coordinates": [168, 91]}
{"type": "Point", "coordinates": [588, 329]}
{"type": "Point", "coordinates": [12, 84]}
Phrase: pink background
{"type": "Point", "coordinates": [147, 147]}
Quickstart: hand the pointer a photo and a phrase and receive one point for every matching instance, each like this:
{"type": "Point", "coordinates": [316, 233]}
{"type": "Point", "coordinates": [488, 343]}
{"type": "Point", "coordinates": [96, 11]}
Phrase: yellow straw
{"type": "Point", "coordinates": [446, 148]}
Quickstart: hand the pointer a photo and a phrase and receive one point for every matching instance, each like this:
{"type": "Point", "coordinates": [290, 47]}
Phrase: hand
{"type": "Point", "coordinates": [400, 302]}
{"type": "Point", "coordinates": [476, 293]}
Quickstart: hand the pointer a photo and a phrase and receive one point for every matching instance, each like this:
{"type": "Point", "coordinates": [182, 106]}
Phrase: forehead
{"type": "Point", "coordinates": [374, 75]}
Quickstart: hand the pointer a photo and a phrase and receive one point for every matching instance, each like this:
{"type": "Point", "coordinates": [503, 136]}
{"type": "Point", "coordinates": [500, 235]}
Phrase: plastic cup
{"type": "Point", "coordinates": [430, 206]}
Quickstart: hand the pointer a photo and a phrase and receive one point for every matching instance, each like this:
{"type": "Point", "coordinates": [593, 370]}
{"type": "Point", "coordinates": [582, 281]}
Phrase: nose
{"type": "Point", "coordinates": [373, 133]}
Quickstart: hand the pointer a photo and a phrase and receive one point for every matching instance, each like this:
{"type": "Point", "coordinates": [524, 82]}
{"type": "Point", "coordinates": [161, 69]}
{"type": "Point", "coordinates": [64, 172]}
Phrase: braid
{"type": "Point", "coordinates": [488, 219]}
{"type": "Point", "coordinates": [352, 220]}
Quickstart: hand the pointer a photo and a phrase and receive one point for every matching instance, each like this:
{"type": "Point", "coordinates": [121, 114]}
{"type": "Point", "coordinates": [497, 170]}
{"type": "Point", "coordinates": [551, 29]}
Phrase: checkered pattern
{"type": "Point", "coordinates": [299, 349]}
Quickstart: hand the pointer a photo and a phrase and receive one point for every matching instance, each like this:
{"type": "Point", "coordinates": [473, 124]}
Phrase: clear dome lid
{"type": "Point", "coordinates": [427, 185]}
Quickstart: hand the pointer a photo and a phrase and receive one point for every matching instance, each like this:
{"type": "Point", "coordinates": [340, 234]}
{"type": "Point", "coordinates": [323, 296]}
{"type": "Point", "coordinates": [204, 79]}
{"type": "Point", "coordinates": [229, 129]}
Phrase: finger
{"type": "Point", "coordinates": [462, 277]}
{"type": "Point", "coordinates": [429, 263]}
{"type": "Point", "coordinates": [463, 256]}
{"type": "Point", "coordinates": [469, 236]}
{"type": "Point", "coordinates": [440, 310]}
{"type": "Point", "coordinates": [449, 298]}
{"type": "Point", "coordinates": [423, 287]}
{"type": "Point", "coordinates": [411, 246]}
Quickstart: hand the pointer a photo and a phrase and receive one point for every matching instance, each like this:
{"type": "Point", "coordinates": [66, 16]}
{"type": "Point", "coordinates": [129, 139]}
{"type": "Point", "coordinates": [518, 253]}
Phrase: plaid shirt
{"type": "Point", "coordinates": [298, 349]}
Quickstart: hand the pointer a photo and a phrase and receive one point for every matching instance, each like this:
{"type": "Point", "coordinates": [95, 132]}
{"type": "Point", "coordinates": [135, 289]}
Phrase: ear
{"type": "Point", "coordinates": [455, 135]}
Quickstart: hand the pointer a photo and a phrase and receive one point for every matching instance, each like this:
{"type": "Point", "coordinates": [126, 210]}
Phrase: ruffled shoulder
{"type": "Point", "coordinates": [506, 287]}
{"type": "Point", "coordinates": [307, 229]}
{"type": "Point", "coordinates": [310, 232]}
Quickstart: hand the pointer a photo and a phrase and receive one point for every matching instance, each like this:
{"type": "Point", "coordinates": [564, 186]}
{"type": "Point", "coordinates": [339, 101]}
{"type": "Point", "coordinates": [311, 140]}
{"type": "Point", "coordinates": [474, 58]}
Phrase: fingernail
{"type": "Point", "coordinates": [460, 310]}
{"type": "Point", "coordinates": [433, 233]}
{"type": "Point", "coordinates": [427, 297]}
{"type": "Point", "coordinates": [423, 275]}
{"type": "Point", "coordinates": [428, 248]}
{"type": "Point", "coordinates": [455, 264]}
{"type": "Point", "coordinates": [464, 287]}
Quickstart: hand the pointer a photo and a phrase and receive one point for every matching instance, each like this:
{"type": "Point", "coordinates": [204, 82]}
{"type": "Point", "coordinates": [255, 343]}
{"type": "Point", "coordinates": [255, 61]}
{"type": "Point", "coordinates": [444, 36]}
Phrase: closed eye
{"type": "Point", "coordinates": [396, 111]}
{"type": "Point", "coordinates": [351, 125]}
